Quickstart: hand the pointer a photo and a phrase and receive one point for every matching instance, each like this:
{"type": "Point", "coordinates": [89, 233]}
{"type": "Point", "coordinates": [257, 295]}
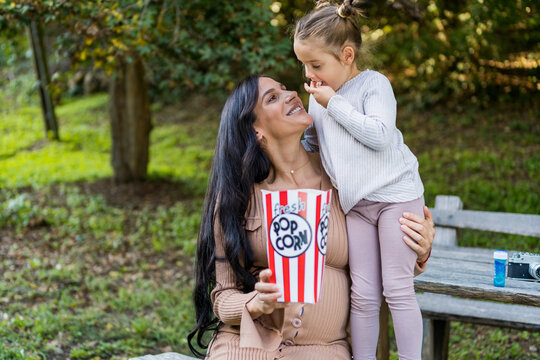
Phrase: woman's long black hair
{"type": "Point", "coordinates": [239, 162]}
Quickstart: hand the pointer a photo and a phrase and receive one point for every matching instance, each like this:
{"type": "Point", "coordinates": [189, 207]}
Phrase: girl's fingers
{"type": "Point", "coordinates": [312, 88]}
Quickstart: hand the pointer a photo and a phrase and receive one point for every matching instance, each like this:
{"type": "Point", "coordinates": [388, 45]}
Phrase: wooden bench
{"type": "Point", "coordinates": [439, 309]}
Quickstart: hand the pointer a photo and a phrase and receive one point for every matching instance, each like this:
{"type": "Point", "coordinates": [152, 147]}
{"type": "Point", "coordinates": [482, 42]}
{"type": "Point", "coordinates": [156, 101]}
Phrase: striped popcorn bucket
{"type": "Point", "coordinates": [296, 230]}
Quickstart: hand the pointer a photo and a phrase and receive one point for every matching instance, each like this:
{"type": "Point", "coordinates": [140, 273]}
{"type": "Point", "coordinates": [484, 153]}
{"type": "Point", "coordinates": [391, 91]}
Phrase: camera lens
{"type": "Point", "coordinates": [534, 270]}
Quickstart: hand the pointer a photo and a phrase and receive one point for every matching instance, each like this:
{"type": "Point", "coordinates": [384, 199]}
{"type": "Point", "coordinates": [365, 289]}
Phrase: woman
{"type": "Point", "coordinates": [258, 147]}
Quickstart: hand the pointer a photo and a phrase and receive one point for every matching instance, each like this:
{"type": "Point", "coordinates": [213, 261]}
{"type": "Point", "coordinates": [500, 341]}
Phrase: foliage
{"type": "Point", "coordinates": [13, 48]}
{"type": "Point", "coordinates": [18, 86]}
{"type": "Point", "coordinates": [187, 44]}
{"type": "Point", "coordinates": [217, 44]}
{"type": "Point", "coordinates": [435, 51]}
{"type": "Point", "coordinates": [19, 91]}
{"type": "Point", "coordinates": [441, 52]}
{"type": "Point", "coordinates": [12, 45]}
{"type": "Point", "coordinates": [17, 211]}
{"type": "Point", "coordinates": [445, 52]}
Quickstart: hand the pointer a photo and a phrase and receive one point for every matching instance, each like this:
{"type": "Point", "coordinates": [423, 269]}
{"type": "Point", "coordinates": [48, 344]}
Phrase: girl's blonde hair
{"type": "Point", "coordinates": [335, 26]}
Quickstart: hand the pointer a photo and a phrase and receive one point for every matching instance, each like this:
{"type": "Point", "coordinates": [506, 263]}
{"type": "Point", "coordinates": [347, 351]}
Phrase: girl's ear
{"type": "Point", "coordinates": [347, 55]}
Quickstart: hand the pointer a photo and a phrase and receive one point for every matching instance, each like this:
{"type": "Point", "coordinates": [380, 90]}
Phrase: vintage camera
{"type": "Point", "coordinates": [526, 266]}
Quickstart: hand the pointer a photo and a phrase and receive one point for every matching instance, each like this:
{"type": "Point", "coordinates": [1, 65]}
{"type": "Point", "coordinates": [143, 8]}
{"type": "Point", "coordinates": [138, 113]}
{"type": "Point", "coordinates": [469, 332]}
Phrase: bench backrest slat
{"type": "Point", "coordinates": [520, 224]}
{"type": "Point", "coordinates": [449, 216]}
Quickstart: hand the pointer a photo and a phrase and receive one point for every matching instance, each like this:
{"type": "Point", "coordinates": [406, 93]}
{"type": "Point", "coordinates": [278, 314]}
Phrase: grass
{"type": "Point", "coordinates": [83, 154]}
{"type": "Point", "coordinates": [92, 271]}
{"type": "Point", "coordinates": [86, 280]}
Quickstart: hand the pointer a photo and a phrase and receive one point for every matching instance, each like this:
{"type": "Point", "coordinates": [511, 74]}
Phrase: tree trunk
{"type": "Point", "coordinates": [130, 120]}
{"type": "Point", "coordinates": [42, 70]}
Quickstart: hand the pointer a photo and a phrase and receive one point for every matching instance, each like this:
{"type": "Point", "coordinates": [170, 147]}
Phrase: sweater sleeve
{"type": "Point", "coordinates": [229, 301]}
{"type": "Point", "coordinates": [374, 127]}
{"type": "Point", "coordinates": [229, 304]}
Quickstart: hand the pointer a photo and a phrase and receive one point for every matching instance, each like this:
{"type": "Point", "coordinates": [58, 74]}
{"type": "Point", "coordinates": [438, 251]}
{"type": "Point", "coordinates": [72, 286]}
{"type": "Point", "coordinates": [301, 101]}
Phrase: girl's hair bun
{"type": "Point", "coordinates": [350, 8]}
{"type": "Point", "coordinates": [346, 9]}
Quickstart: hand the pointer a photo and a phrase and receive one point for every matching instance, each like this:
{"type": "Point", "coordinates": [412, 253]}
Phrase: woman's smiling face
{"type": "Point", "coordinates": [280, 112]}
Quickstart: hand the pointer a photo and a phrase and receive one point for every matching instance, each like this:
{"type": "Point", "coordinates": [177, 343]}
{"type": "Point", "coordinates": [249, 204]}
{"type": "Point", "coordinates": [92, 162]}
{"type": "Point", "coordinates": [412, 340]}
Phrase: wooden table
{"type": "Point", "coordinates": [468, 272]}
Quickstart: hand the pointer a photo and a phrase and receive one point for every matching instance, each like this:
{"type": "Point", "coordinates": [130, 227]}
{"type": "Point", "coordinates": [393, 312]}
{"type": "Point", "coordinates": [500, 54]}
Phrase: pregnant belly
{"type": "Point", "coordinates": [327, 320]}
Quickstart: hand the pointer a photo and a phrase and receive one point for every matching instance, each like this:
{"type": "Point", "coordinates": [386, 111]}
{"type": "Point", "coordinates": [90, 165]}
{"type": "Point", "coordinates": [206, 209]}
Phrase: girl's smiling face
{"type": "Point", "coordinates": [323, 66]}
{"type": "Point", "coordinates": [280, 112]}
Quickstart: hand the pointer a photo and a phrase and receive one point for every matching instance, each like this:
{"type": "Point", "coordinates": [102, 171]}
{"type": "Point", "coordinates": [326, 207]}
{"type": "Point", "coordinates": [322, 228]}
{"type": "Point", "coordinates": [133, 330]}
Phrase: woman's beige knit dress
{"type": "Point", "coordinates": [310, 331]}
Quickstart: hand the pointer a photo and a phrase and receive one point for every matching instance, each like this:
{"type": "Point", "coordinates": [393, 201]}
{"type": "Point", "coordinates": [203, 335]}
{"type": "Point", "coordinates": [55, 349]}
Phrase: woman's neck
{"type": "Point", "coordinates": [293, 166]}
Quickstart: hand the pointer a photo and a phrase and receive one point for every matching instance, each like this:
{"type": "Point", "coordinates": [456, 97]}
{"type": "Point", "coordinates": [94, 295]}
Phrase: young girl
{"type": "Point", "coordinates": [374, 171]}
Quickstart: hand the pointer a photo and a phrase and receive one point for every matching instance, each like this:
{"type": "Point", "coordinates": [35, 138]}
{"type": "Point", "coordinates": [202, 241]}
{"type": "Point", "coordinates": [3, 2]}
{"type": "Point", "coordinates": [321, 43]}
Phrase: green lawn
{"type": "Point", "coordinates": [96, 271]}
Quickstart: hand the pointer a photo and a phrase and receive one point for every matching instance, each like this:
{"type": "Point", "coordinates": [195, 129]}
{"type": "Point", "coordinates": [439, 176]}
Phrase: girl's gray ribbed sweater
{"type": "Point", "coordinates": [361, 149]}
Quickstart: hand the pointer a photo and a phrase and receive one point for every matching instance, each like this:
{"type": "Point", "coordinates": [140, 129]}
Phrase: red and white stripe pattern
{"type": "Point", "coordinates": [299, 274]}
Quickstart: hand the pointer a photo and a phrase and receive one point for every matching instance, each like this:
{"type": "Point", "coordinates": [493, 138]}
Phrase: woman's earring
{"type": "Point", "coordinates": [260, 138]}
